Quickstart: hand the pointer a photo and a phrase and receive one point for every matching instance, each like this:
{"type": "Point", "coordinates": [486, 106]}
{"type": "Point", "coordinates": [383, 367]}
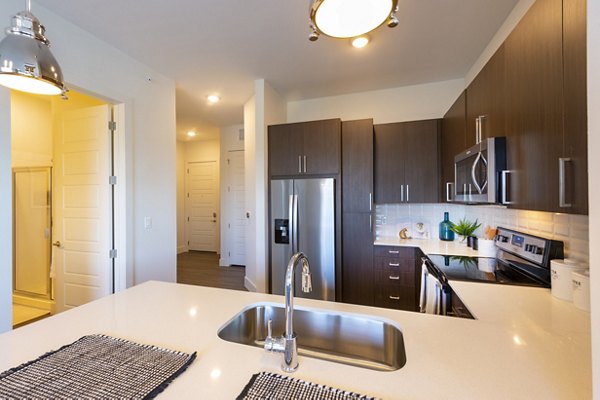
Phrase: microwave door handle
{"type": "Point", "coordinates": [473, 176]}
{"type": "Point", "coordinates": [485, 162]}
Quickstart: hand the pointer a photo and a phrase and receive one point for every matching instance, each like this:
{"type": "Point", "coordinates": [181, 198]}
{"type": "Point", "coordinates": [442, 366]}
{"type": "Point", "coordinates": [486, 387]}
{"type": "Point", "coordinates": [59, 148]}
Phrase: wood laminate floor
{"type": "Point", "coordinates": [202, 268]}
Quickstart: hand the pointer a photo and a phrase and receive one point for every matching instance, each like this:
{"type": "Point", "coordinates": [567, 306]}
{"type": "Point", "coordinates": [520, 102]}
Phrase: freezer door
{"type": "Point", "coordinates": [316, 234]}
{"type": "Point", "coordinates": [282, 191]}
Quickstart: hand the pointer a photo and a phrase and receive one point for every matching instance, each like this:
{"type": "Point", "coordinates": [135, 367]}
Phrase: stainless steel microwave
{"type": "Point", "coordinates": [477, 172]}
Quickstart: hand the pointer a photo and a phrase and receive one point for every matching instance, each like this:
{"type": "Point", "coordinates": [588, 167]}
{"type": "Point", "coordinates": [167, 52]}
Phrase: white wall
{"type": "Point", "coordinates": [207, 150]}
{"type": "Point", "coordinates": [230, 141]}
{"type": "Point", "coordinates": [96, 67]}
{"type": "Point", "coordinates": [265, 108]}
{"type": "Point", "coordinates": [593, 68]}
{"type": "Point", "coordinates": [408, 103]}
{"type": "Point", "coordinates": [5, 214]}
{"type": "Point", "coordinates": [180, 157]}
{"type": "Point", "coordinates": [31, 130]}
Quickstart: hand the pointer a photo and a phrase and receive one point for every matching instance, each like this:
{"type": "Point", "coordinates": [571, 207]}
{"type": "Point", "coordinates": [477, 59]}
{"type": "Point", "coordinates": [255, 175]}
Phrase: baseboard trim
{"type": "Point", "coordinates": [182, 249]}
{"type": "Point", "coordinates": [224, 262]}
{"type": "Point", "coordinates": [44, 304]}
{"type": "Point", "coordinates": [248, 284]}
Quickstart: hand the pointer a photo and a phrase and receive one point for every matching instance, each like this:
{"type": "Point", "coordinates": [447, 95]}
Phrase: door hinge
{"type": "Point", "coordinates": [228, 188]}
{"type": "Point", "coordinates": [112, 125]}
{"type": "Point", "coordinates": [229, 253]}
{"type": "Point", "coordinates": [188, 195]}
{"type": "Point", "coordinates": [188, 219]}
{"type": "Point", "coordinates": [228, 161]}
{"type": "Point", "coordinates": [112, 253]}
{"type": "Point", "coordinates": [188, 242]}
{"type": "Point", "coordinates": [112, 180]}
{"type": "Point", "coordinates": [229, 226]}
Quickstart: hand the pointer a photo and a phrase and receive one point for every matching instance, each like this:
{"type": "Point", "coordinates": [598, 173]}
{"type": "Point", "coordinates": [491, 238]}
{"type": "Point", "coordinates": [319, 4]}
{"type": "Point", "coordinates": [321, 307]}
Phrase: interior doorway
{"type": "Point", "coordinates": [201, 208]}
{"type": "Point", "coordinates": [73, 140]}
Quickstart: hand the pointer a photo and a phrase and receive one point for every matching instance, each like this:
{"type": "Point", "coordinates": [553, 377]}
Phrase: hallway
{"type": "Point", "coordinates": [202, 268]}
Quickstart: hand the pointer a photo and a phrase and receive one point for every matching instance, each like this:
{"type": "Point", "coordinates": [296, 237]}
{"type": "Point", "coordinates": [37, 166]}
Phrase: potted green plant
{"type": "Point", "coordinates": [465, 228]}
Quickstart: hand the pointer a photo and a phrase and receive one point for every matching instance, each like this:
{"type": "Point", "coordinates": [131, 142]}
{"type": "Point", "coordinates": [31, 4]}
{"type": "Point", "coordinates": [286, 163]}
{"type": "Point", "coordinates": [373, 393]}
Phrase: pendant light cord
{"type": "Point", "coordinates": [28, 5]}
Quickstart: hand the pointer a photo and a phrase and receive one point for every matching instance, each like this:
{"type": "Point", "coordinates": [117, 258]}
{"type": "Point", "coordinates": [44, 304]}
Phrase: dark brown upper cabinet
{"type": "Point", "coordinates": [407, 162]}
{"type": "Point", "coordinates": [575, 107]}
{"type": "Point", "coordinates": [486, 102]}
{"type": "Point", "coordinates": [546, 109]}
{"type": "Point", "coordinates": [357, 166]}
{"type": "Point", "coordinates": [453, 141]}
{"type": "Point", "coordinates": [305, 148]}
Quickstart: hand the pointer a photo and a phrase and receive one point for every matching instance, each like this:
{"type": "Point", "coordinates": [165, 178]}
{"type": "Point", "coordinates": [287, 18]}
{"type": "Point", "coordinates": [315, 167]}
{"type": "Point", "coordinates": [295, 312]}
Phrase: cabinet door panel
{"type": "Point", "coordinates": [486, 97]}
{"type": "Point", "coordinates": [357, 259]}
{"type": "Point", "coordinates": [452, 141]}
{"type": "Point", "coordinates": [575, 86]}
{"type": "Point", "coordinates": [421, 161]}
{"type": "Point", "coordinates": [389, 163]}
{"type": "Point", "coordinates": [322, 142]}
{"type": "Point", "coordinates": [533, 54]}
{"type": "Point", "coordinates": [357, 165]}
{"type": "Point", "coordinates": [285, 146]}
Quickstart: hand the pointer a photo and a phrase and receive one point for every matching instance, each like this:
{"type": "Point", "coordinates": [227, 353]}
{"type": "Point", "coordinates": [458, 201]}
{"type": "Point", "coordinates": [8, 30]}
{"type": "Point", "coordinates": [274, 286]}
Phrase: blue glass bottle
{"type": "Point", "coordinates": [445, 232]}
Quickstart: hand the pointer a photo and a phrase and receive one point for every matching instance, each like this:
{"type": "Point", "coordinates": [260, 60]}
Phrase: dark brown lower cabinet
{"type": "Point", "coordinates": [395, 277]}
{"type": "Point", "coordinates": [357, 259]}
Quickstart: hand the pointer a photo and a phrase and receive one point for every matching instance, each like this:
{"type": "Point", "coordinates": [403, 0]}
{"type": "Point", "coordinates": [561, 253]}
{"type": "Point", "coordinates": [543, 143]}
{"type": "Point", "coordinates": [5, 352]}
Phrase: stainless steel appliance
{"type": "Point", "coordinates": [521, 259]}
{"type": "Point", "coordinates": [436, 289]}
{"type": "Point", "coordinates": [480, 172]}
{"type": "Point", "coordinates": [302, 218]}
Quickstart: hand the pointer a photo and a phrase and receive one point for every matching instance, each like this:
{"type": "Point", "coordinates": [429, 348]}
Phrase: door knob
{"type": "Point", "coordinates": [56, 244]}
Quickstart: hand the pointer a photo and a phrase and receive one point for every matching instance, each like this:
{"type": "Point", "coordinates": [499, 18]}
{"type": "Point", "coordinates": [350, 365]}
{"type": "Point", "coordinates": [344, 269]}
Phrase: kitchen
{"type": "Point", "coordinates": [149, 265]}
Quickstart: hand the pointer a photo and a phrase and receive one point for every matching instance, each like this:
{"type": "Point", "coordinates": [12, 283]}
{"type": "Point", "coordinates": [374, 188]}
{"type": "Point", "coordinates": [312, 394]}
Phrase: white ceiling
{"type": "Point", "coordinates": [222, 46]}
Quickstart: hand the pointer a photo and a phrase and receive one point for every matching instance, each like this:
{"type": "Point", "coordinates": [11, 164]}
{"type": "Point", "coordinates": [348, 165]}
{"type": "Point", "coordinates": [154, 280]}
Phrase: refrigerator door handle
{"type": "Point", "coordinates": [291, 220]}
{"type": "Point", "coordinates": [294, 216]}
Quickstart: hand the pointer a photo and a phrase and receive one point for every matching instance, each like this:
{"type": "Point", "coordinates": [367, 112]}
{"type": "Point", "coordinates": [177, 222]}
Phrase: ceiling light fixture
{"type": "Point", "coordinates": [213, 99]}
{"type": "Point", "coordinates": [26, 63]}
{"type": "Point", "coordinates": [360, 42]}
{"type": "Point", "coordinates": [191, 133]}
{"type": "Point", "coordinates": [350, 18]}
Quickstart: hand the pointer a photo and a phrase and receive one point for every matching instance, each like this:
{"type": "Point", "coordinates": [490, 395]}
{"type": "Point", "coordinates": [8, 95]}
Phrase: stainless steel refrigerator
{"type": "Point", "coordinates": [302, 218]}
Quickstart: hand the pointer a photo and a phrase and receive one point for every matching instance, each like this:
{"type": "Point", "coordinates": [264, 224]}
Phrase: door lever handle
{"type": "Point", "coordinates": [57, 244]}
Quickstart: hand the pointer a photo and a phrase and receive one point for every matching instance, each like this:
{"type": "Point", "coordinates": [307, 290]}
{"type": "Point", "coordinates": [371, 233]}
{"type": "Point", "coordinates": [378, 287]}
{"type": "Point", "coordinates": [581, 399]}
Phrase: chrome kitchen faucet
{"type": "Point", "coordinates": [286, 344]}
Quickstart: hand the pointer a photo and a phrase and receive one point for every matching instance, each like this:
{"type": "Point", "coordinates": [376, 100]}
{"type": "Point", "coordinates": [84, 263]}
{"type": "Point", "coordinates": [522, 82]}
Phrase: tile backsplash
{"type": "Point", "coordinates": [422, 220]}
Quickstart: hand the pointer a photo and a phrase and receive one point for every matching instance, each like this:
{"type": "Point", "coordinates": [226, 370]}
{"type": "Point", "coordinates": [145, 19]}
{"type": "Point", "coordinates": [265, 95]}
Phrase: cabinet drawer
{"type": "Point", "coordinates": [396, 252]}
{"type": "Point", "coordinates": [395, 276]}
{"type": "Point", "coordinates": [396, 297]}
{"type": "Point", "coordinates": [403, 264]}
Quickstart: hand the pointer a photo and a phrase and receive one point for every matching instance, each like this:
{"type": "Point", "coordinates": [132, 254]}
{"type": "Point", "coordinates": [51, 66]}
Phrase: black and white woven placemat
{"type": "Point", "coordinates": [270, 386]}
{"type": "Point", "coordinates": [96, 367]}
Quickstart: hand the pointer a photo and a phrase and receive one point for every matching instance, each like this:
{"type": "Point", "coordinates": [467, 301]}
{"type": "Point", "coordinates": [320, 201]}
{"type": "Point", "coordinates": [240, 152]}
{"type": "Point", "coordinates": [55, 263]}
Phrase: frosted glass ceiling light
{"type": "Point", "coordinates": [26, 63]}
{"type": "Point", "coordinates": [350, 18]}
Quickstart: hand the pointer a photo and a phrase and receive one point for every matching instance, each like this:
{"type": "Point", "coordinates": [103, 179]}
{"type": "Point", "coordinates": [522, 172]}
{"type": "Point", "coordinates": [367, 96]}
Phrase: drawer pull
{"type": "Point", "coordinates": [394, 251]}
{"type": "Point", "coordinates": [394, 278]}
{"type": "Point", "coordinates": [394, 264]}
{"type": "Point", "coordinates": [394, 297]}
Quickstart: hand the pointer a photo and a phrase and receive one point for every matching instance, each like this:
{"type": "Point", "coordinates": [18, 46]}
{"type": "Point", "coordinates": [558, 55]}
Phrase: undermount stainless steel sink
{"type": "Point", "coordinates": [348, 339]}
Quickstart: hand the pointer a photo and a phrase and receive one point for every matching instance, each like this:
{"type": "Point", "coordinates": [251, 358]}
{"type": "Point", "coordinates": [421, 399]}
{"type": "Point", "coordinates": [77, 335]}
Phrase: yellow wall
{"type": "Point", "coordinates": [31, 129]}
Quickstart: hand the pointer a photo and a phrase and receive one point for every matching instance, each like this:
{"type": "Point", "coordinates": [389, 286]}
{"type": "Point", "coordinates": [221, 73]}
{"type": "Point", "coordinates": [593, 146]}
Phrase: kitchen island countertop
{"type": "Point", "coordinates": [525, 344]}
{"type": "Point", "coordinates": [431, 246]}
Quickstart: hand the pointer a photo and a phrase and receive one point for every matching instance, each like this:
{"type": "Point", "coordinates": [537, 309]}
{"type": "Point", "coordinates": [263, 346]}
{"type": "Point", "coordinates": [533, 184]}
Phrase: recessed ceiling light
{"type": "Point", "coordinates": [191, 133]}
{"type": "Point", "coordinates": [360, 42]}
{"type": "Point", "coordinates": [213, 99]}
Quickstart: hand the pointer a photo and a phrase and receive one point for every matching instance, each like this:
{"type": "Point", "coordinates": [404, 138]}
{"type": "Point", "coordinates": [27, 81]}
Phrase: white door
{"type": "Point", "coordinates": [202, 206]}
{"type": "Point", "coordinates": [237, 208]}
{"type": "Point", "coordinates": [82, 207]}
{"type": "Point", "coordinates": [32, 231]}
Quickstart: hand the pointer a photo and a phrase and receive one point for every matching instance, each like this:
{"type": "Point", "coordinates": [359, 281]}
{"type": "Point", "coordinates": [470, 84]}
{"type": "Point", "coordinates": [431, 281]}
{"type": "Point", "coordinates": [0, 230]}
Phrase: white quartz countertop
{"type": "Point", "coordinates": [431, 246]}
{"type": "Point", "coordinates": [525, 344]}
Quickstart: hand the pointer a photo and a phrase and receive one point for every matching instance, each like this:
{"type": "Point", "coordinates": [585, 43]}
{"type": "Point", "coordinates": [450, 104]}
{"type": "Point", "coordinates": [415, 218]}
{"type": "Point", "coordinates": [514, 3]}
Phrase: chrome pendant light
{"type": "Point", "coordinates": [26, 63]}
{"type": "Point", "coordinates": [350, 18]}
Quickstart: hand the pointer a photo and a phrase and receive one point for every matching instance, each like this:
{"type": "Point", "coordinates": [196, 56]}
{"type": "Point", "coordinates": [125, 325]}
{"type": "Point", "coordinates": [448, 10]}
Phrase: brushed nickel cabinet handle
{"type": "Point", "coordinates": [394, 264]}
{"type": "Point", "coordinates": [562, 196]}
{"type": "Point", "coordinates": [394, 278]}
{"type": "Point", "coordinates": [393, 251]}
{"type": "Point", "coordinates": [394, 297]}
